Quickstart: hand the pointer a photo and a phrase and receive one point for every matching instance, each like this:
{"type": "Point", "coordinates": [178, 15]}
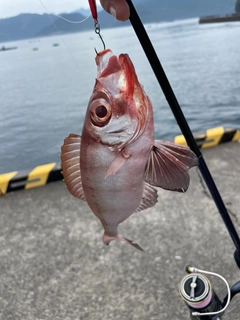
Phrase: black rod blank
{"type": "Point", "coordinates": [181, 120]}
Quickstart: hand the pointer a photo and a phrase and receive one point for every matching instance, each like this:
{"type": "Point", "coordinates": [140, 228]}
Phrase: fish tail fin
{"type": "Point", "coordinates": [107, 239]}
{"type": "Point", "coordinates": [135, 245]}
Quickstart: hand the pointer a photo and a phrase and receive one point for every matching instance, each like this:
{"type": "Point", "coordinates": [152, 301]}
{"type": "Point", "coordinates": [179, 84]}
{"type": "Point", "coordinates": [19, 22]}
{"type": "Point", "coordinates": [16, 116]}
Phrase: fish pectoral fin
{"type": "Point", "coordinates": [168, 165]}
{"type": "Point", "coordinates": [149, 197]}
{"type": "Point", "coordinates": [117, 163]}
{"type": "Point", "coordinates": [70, 162]}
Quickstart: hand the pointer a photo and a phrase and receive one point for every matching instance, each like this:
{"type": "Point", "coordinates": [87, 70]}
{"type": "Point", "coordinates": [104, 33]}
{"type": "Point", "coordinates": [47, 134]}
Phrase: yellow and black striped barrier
{"type": "Point", "coordinates": [51, 172]}
{"type": "Point", "coordinates": [212, 137]}
{"type": "Point", "coordinates": [39, 176]}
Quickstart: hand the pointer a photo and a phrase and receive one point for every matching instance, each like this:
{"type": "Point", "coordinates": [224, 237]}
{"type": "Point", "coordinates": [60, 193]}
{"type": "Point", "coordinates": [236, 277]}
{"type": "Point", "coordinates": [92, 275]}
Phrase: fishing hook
{"type": "Point", "coordinates": [93, 8]}
{"type": "Point", "coordinates": [97, 31]}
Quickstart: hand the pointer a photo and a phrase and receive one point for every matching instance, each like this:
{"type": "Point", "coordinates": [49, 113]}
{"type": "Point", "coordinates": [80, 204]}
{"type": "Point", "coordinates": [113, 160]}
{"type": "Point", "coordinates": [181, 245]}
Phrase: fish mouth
{"type": "Point", "coordinates": [119, 134]}
{"type": "Point", "coordinates": [117, 131]}
{"type": "Point", "coordinates": [124, 126]}
{"type": "Point", "coordinates": [107, 63]}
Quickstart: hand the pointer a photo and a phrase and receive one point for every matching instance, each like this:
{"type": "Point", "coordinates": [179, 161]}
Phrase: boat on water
{"type": "Point", "coordinates": [7, 48]}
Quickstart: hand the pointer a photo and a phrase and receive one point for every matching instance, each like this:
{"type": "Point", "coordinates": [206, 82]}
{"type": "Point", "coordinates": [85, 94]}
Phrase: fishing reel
{"type": "Point", "coordinates": [197, 292]}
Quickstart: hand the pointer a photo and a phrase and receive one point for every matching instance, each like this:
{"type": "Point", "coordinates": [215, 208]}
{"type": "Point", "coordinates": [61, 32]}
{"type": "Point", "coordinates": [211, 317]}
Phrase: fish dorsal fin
{"type": "Point", "coordinates": [149, 197]}
{"type": "Point", "coordinates": [70, 161]}
{"type": "Point", "coordinates": [168, 165]}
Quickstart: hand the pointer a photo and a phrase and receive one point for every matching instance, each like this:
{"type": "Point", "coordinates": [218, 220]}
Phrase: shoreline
{"type": "Point", "coordinates": [51, 172]}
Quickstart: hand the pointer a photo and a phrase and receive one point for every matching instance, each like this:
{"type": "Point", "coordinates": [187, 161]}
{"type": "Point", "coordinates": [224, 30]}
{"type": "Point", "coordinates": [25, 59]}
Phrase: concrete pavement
{"type": "Point", "coordinates": [53, 264]}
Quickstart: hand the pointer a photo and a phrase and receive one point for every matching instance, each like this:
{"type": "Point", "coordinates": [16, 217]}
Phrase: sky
{"type": "Point", "coordinates": [11, 8]}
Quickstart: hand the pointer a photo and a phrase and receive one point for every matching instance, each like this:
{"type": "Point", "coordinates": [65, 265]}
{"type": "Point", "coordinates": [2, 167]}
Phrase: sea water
{"type": "Point", "coordinates": [44, 89]}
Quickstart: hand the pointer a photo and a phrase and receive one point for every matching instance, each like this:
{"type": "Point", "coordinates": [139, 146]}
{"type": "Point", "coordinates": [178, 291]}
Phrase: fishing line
{"type": "Point", "coordinates": [87, 82]}
{"type": "Point", "coordinates": [56, 15]}
{"type": "Point", "coordinates": [59, 34]}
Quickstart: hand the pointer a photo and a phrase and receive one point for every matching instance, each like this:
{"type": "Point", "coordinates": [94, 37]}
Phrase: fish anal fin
{"type": "Point", "coordinates": [70, 162]}
{"type": "Point", "coordinates": [149, 197]}
{"type": "Point", "coordinates": [168, 166]}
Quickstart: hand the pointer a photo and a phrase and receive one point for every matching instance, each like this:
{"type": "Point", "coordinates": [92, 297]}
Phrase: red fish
{"type": "Point", "coordinates": [116, 163]}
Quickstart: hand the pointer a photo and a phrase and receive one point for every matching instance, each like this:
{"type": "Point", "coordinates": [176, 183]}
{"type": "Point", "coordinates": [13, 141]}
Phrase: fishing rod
{"type": "Point", "coordinates": [182, 122]}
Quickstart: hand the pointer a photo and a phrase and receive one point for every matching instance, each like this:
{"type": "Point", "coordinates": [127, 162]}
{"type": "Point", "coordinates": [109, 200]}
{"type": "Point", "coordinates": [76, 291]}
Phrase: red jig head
{"type": "Point", "coordinates": [93, 8]}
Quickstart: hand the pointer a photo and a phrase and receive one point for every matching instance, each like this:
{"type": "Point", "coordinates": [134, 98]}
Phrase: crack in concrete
{"type": "Point", "coordinates": [207, 193]}
{"type": "Point", "coordinates": [203, 184]}
{"type": "Point", "coordinates": [233, 215]}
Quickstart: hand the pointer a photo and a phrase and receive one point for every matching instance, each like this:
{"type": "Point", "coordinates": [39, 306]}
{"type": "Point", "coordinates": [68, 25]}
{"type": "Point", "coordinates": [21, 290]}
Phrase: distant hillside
{"type": "Point", "coordinates": [33, 25]}
{"type": "Point", "coordinates": [23, 26]}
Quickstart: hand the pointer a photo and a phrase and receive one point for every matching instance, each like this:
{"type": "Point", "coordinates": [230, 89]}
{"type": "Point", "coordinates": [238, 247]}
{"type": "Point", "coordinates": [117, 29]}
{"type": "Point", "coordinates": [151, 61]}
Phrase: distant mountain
{"type": "Point", "coordinates": [24, 26]}
{"type": "Point", "coordinates": [86, 12]}
{"type": "Point", "coordinates": [34, 25]}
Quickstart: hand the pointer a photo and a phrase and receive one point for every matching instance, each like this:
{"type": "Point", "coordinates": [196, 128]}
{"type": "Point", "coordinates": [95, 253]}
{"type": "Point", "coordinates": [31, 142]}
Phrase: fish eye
{"type": "Point", "coordinates": [100, 112]}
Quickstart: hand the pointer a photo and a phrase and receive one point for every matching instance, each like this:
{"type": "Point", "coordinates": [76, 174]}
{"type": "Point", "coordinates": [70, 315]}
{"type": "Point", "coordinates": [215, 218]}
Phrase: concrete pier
{"type": "Point", "coordinates": [53, 264]}
{"type": "Point", "coordinates": [235, 17]}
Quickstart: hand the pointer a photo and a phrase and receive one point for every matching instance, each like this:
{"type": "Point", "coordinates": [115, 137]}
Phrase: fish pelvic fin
{"type": "Point", "coordinates": [70, 162]}
{"type": "Point", "coordinates": [118, 162]}
{"type": "Point", "coordinates": [107, 239]}
{"type": "Point", "coordinates": [168, 166]}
